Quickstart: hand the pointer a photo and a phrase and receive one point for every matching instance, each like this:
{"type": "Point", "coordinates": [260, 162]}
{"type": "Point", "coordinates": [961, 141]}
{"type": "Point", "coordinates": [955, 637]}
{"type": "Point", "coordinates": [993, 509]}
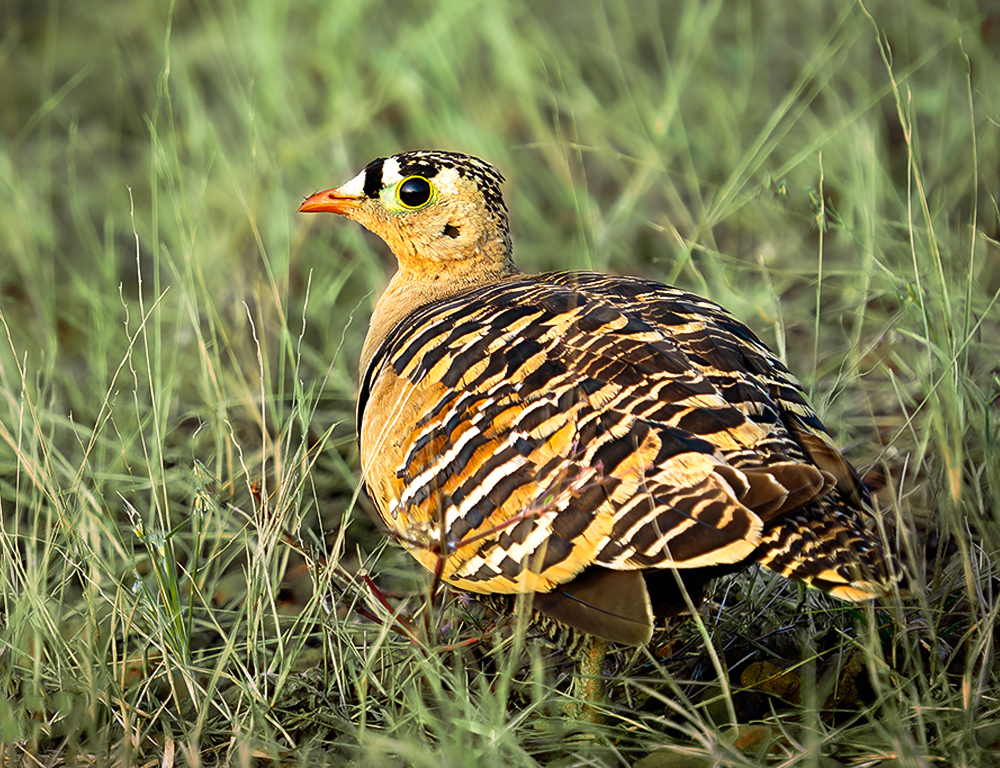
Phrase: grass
{"type": "Point", "coordinates": [183, 553]}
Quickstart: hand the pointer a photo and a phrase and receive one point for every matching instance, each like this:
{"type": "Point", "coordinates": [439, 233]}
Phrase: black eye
{"type": "Point", "coordinates": [414, 191]}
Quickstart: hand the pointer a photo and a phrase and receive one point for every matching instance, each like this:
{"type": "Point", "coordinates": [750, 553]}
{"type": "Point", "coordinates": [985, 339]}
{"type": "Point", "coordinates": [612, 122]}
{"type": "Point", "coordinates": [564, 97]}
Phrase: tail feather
{"type": "Point", "coordinates": [827, 548]}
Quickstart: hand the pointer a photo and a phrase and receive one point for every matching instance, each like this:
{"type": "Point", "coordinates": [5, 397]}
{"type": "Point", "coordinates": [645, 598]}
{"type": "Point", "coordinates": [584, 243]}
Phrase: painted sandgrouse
{"type": "Point", "coordinates": [581, 437]}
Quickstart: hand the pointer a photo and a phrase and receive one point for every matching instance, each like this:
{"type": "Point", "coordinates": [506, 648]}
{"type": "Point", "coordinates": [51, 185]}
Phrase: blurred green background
{"type": "Point", "coordinates": [827, 170]}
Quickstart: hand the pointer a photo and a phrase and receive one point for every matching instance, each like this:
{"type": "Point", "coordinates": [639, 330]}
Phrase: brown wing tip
{"type": "Point", "coordinates": [859, 591]}
{"type": "Point", "coordinates": [613, 605]}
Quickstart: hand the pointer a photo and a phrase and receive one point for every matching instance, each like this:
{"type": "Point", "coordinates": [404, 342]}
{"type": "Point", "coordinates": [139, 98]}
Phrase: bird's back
{"type": "Point", "coordinates": [520, 434]}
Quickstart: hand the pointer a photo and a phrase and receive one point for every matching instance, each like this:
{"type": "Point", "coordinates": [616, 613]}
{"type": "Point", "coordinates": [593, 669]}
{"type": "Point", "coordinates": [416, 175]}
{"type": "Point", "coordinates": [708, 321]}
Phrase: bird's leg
{"type": "Point", "coordinates": [589, 693]}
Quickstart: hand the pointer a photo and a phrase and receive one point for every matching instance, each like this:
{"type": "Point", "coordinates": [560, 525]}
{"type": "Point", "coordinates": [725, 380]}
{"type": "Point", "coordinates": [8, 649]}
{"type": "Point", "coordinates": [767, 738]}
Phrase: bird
{"type": "Point", "coordinates": [601, 445]}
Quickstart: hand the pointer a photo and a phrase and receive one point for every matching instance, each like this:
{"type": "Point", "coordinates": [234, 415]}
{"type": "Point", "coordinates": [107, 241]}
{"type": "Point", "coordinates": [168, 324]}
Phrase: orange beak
{"type": "Point", "coordinates": [330, 201]}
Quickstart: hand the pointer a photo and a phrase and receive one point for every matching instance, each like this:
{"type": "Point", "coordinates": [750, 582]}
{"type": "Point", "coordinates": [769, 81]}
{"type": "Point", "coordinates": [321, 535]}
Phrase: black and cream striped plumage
{"type": "Point", "coordinates": [578, 435]}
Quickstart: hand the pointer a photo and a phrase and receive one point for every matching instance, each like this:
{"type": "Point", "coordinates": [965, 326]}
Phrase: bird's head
{"type": "Point", "coordinates": [439, 212]}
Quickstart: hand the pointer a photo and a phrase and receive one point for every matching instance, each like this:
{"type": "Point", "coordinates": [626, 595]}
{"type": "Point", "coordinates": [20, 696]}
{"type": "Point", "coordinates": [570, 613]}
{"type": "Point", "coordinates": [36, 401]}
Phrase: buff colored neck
{"type": "Point", "coordinates": [410, 289]}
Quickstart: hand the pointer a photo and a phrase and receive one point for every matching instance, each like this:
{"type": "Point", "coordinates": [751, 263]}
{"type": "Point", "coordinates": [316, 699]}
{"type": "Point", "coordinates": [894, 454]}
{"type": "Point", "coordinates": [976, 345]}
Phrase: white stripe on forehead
{"type": "Point", "coordinates": [445, 178]}
{"type": "Point", "coordinates": [390, 172]}
{"type": "Point", "coordinates": [359, 185]}
{"type": "Point", "coordinates": [355, 187]}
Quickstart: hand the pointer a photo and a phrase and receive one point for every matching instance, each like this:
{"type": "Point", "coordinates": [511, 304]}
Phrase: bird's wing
{"type": "Point", "coordinates": [514, 436]}
{"type": "Point", "coordinates": [826, 543]}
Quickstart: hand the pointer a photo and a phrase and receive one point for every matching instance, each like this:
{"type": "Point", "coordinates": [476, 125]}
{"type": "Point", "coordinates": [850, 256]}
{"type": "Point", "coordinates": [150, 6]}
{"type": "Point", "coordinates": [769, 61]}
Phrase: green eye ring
{"type": "Point", "coordinates": [414, 192]}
